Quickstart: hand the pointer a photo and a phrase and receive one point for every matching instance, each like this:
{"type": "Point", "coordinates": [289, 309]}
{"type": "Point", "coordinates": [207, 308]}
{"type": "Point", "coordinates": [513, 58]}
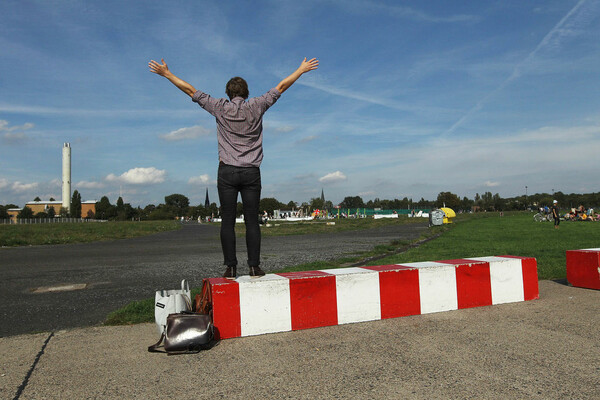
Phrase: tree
{"type": "Point", "coordinates": [37, 199]}
{"type": "Point", "coordinates": [76, 205]}
{"type": "Point", "coordinates": [26, 212]}
{"type": "Point", "coordinates": [270, 204]}
{"type": "Point", "coordinates": [120, 204]}
{"type": "Point", "coordinates": [466, 204]}
{"type": "Point", "coordinates": [317, 203]}
{"type": "Point", "coordinates": [352, 202]}
{"type": "Point", "coordinates": [179, 203]}
{"type": "Point", "coordinates": [3, 212]}
{"type": "Point", "coordinates": [292, 205]}
{"type": "Point", "coordinates": [449, 199]}
{"type": "Point", "coordinates": [105, 210]}
{"type": "Point", "coordinates": [498, 202]}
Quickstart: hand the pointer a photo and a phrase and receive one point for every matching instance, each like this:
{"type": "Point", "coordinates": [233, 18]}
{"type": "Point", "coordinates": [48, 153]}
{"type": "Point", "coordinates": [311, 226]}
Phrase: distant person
{"type": "Point", "coordinates": [239, 136]}
{"type": "Point", "coordinates": [555, 214]}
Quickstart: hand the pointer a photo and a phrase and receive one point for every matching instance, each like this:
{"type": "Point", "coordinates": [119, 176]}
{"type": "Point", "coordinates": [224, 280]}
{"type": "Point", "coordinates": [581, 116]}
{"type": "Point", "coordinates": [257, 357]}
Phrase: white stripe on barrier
{"type": "Point", "coordinates": [357, 294]}
{"type": "Point", "coordinates": [506, 278]}
{"type": "Point", "coordinates": [437, 286]}
{"type": "Point", "coordinates": [264, 304]}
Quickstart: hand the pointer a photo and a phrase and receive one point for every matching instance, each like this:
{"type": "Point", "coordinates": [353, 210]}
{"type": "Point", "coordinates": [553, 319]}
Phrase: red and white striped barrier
{"type": "Point", "coordinates": [583, 268]}
{"type": "Point", "coordinates": [300, 300]}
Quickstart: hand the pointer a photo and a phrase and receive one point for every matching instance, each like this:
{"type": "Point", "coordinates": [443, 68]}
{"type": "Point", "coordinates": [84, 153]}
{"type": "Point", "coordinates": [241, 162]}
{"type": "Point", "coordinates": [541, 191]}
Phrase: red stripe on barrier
{"type": "Point", "coordinates": [530, 277]}
{"type": "Point", "coordinates": [398, 290]}
{"type": "Point", "coordinates": [313, 299]}
{"type": "Point", "coordinates": [583, 268]}
{"type": "Point", "coordinates": [473, 283]}
{"type": "Point", "coordinates": [226, 308]}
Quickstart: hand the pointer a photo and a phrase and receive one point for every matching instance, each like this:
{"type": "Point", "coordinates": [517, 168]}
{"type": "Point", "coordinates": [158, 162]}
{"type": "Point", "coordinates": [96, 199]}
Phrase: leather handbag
{"type": "Point", "coordinates": [186, 333]}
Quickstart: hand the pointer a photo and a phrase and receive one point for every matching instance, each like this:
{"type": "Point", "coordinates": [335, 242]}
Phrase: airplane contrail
{"type": "Point", "coordinates": [546, 41]}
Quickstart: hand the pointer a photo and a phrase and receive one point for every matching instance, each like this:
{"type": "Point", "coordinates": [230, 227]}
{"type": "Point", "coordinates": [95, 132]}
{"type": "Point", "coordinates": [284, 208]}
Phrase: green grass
{"type": "Point", "coordinates": [362, 258]}
{"type": "Point", "coordinates": [64, 233]}
{"type": "Point", "coordinates": [514, 234]}
{"type": "Point", "coordinates": [137, 312]}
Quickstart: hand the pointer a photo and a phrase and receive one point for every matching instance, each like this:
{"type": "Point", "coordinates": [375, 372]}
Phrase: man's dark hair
{"type": "Point", "coordinates": [237, 87]}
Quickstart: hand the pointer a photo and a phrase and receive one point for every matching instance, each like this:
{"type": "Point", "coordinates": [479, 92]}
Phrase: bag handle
{"type": "Point", "coordinates": [185, 285]}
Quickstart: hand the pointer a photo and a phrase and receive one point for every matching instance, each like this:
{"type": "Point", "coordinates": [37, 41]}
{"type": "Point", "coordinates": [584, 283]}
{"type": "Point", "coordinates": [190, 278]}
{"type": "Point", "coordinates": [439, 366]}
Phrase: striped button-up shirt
{"type": "Point", "coordinates": [239, 126]}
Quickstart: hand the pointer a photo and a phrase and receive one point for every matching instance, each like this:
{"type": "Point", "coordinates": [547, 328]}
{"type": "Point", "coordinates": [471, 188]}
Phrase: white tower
{"type": "Point", "coordinates": [66, 176]}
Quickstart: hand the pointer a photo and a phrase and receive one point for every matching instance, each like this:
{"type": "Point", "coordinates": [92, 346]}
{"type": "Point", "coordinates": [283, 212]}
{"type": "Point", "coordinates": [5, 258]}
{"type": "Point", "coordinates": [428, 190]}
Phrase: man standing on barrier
{"type": "Point", "coordinates": [239, 136]}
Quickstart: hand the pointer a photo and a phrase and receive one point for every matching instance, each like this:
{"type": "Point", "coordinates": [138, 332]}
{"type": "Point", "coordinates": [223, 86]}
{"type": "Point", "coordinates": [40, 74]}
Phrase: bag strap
{"type": "Point", "coordinates": [154, 347]}
{"type": "Point", "coordinates": [203, 302]}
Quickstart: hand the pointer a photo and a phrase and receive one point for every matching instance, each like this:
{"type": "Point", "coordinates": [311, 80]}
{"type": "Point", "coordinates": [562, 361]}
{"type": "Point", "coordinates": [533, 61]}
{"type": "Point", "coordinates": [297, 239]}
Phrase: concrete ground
{"type": "Point", "coordinates": [541, 349]}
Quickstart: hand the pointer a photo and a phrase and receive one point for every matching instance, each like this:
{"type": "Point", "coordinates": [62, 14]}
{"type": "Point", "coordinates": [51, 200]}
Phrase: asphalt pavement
{"type": "Point", "coordinates": [48, 288]}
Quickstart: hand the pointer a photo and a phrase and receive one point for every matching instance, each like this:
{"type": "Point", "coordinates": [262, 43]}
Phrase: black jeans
{"type": "Point", "coordinates": [231, 181]}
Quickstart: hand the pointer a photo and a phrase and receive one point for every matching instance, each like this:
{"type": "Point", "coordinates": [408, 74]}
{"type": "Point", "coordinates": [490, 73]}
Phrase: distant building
{"type": "Point", "coordinates": [88, 208]}
{"type": "Point", "coordinates": [12, 214]}
{"type": "Point", "coordinates": [43, 206]}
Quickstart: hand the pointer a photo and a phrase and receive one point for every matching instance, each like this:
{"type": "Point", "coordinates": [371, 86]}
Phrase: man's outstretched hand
{"type": "Point", "coordinates": [304, 67]}
{"type": "Point", "coordinates": [309, 65]}
{"type": "Point", "coordinates": [163, 70]}
{"type": "Point", "coordinates": [160, 69]}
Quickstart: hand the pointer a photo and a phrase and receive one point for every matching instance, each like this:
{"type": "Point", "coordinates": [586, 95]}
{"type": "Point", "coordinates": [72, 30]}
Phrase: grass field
{"type": "Point", "coordinates": [514, 234]}
{"type": "Point", "coordinates": [65, 233]}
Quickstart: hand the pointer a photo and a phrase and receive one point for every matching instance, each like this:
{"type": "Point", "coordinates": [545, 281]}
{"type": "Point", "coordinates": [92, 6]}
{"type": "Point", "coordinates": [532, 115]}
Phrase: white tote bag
{"type": "Point", "coordinates": [170, 302]}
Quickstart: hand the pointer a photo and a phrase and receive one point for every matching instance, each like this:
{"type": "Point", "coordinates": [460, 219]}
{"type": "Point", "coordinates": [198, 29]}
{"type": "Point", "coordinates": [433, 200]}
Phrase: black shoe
{"type": "Point", "coordinates": [230, 273]}
{"type": "Point", "coordinates": [256, 272]}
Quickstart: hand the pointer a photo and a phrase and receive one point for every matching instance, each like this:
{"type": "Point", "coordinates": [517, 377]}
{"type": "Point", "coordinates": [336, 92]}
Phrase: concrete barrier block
{"type": "Point", "coordinates": [310, 299]}
{"type": "Point", "coordinates": [583, 268]}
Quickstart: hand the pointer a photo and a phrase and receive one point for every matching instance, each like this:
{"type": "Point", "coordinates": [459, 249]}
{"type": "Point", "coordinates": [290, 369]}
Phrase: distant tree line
{"type": "Point", "coordinates": [178, 205]}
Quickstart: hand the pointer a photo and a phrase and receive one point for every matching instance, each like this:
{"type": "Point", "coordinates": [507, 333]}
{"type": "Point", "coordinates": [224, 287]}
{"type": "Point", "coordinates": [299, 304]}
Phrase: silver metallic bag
{"type": "Point", "coordinates": [186, 332]}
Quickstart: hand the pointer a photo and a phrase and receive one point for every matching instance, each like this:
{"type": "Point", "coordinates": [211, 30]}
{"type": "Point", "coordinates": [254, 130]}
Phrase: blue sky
{"type": "Point", "coordinates": [411, 98]}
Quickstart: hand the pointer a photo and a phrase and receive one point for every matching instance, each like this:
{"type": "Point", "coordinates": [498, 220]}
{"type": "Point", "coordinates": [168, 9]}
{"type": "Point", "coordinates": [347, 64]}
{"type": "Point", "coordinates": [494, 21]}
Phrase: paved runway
{"type": "Point", "coordinates": [116, 272]}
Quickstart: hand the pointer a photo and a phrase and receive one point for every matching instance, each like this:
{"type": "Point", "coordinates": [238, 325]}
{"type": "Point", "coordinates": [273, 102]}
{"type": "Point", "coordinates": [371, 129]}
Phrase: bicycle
{"type": "Point", "coordinates": [541, 217]}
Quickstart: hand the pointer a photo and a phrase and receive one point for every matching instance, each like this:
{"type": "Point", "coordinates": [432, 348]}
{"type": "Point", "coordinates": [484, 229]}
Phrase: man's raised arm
{"type": "Point", "coordinates": [163, 70]}
{"type": "Point", "coordinates": [304, 67]}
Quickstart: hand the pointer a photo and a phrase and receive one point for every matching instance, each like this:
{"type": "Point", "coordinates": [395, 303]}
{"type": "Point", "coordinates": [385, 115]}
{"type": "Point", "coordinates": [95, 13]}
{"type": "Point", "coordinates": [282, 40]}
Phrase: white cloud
{"type": "Point", "coordinates": [333, 177]}
{"type": "Point", "coordinates": [139, 176]}
{"type": "Point", "coordinates": [14, 134]}
{"type": "Point", "coordinates": [89, 185]}
{"type": "Point", "coordinates": [19, 187]}
{"type": "Point", "coordinates": [307, 139]}
{"type": "Point", "coordinates": [491, 184]}
{"type": "Point", "coordinates": [3, 182]}
{"type": "Point", "coordinates": [192, 132]}
{"type": "Point", "coordinates": [199, 180]}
